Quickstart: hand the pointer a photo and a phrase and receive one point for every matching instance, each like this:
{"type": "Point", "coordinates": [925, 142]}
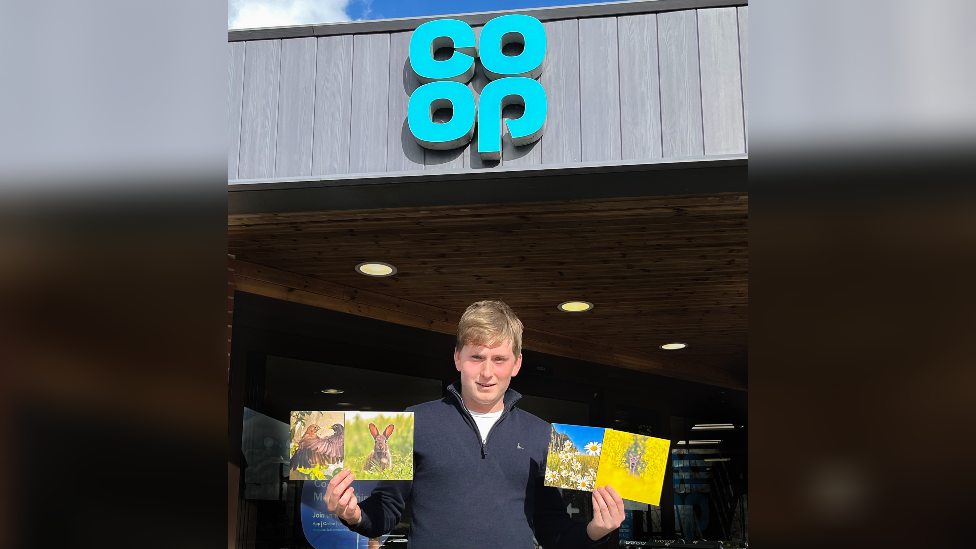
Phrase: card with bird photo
{"type": "Point", "coordinates": [375, 445]}
{"type": "Point", "coordinates": [317, 447]}
{"type": "Point", "coordinates": [581, 458]}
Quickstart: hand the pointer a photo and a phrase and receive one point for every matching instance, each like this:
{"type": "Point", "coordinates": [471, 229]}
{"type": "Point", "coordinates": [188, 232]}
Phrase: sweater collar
{"type": "Point", "coordinates": [511, 396]}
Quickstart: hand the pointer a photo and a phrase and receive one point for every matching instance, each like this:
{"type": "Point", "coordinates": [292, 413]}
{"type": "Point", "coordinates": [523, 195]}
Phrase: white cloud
{"type": "Point", "coordinates": [249, 14]}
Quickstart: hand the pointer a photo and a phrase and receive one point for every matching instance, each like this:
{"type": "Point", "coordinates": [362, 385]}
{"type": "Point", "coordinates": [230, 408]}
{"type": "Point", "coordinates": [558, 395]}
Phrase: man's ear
{"type": "Point", "coordinates": [518, 366]}
{"type": "Point", "coordinates": [457, 360]}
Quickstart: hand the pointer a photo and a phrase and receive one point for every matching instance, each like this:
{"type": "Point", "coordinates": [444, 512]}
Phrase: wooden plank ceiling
{"type": "Point", "coordinates": [658, 269]}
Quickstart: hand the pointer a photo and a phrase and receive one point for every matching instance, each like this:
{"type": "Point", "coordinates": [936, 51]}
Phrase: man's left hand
{"type": "Point", "coordinates": [608, 512]}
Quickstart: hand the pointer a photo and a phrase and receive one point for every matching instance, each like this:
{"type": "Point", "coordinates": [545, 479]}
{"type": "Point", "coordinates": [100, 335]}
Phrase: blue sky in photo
{"type": "Point", "coordinates": [249, 14]}
{"type": "Point", "coordinates": [579, 434]}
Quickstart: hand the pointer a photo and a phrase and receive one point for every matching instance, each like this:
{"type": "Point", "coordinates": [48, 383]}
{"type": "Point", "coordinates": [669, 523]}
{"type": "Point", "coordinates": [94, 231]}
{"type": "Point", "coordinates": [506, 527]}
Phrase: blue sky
{"type": "Point", "coordinates": [579, 434]}
{"type": "Point", "coordinates": [390, 9]}
{"type": "Point", "coordinates": [276, 13]}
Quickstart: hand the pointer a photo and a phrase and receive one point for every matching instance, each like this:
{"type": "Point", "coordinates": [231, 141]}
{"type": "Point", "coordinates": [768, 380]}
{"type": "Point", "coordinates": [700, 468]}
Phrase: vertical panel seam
{"type": "Point", "coordinates": [389, 101]}
{"type": "Point", "coordinates": [315, 73]}
{"type": "Point", "coordinates": [742, 83]}
{"type": "Point", "coordinates": [660, 96]}
{"type": "Point", "coordinates": [386, 146]}
{"type": "Point", "coordinates": [240, 122]}
{"type": "Point", "coordinates": [620, 107]}
{"type": "Point", "coordinates": [352, 88]}
{"type": "Point", "coordinates": [579, 86]}
{"type": "Point", "coordinates": [274, 157]}
{"type": "Point", "coordinates": [701, 96]}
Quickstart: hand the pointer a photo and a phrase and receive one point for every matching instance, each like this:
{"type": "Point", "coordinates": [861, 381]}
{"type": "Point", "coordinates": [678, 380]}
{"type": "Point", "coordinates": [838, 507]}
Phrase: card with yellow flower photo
{"type": "Point", "coordinates": [581, 458]}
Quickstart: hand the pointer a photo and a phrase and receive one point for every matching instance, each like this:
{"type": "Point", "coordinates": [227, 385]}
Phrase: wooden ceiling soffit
{"type": "Point", "coordinates": [278, 284]}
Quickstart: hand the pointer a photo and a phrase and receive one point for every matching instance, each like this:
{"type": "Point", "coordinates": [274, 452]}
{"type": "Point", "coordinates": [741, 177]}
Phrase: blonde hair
{"type": "Point", "coordinates": [489, 323]}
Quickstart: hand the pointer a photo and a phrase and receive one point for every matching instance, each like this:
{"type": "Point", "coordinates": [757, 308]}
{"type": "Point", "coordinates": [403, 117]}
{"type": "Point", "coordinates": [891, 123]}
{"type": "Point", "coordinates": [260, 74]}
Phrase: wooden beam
{"type": "Point", "coordinates": [278, 284]}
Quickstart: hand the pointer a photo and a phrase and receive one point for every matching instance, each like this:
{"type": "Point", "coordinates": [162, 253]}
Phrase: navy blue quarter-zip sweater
{"type": "Point", "coordinates": [466, 493]}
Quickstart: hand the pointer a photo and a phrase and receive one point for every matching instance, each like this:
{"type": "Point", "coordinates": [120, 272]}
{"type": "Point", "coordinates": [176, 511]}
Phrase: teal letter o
{"type": "Point", "coordinates": [513, 28]}
{"type": "Point", "coordinates": [428, 98]}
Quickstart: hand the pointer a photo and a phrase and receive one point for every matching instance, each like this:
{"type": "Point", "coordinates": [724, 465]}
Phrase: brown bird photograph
{"type": "Point", "coordinates": [317, 445]}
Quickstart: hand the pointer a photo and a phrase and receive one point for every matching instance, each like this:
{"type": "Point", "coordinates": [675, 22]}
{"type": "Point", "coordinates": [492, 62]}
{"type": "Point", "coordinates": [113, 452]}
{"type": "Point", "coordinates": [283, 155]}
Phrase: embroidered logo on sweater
{"type": "Point", "coordinates": [519, 446]}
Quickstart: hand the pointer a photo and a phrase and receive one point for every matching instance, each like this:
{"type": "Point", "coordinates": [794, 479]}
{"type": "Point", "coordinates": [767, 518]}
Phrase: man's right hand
{"type": "Point", "coordinates": [341, 498]}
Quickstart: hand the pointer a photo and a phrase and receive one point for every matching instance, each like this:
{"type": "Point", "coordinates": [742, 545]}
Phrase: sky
{"type": "Point", "coordinates": [580, 434]}
{"type": "Point", "coordinates": [249, 14]}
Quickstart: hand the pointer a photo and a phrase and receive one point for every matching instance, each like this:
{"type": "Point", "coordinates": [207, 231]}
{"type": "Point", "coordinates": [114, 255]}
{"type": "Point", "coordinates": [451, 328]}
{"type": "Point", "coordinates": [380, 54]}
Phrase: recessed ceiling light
{"type": "Point", "coordinates": [376, 268]}
{"type": "Point", "coordinates": [704, 441]}
{"type": "Point", "coordinates": [344, 404]}
{"type": "Point", "coordinates": [575, 306]}
{"type": "Point", "coordinates": [718, 459]}
{"type": "Point", "coordinates": [332, 391]}
{"type": "Point", "coordinates": [673, 346]}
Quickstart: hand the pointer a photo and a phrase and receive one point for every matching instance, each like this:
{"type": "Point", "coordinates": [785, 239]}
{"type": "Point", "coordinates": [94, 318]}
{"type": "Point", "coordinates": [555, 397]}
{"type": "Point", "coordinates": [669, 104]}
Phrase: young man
{"type": "Point", "coordinates": [478, 460]}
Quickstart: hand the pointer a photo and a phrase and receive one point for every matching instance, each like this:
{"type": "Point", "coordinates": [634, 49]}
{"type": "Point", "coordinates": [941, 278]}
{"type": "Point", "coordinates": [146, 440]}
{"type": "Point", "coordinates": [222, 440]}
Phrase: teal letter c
{"type": "Point", "coordinates": [434, 35]}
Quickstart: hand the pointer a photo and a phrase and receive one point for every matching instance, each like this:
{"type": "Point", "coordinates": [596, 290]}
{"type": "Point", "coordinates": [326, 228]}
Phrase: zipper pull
{"type": "Point", "coordinates": [484, 450]}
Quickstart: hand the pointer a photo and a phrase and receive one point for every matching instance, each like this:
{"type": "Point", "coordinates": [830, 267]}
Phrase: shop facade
{"type": "Point", "coordinates": [632, 197]}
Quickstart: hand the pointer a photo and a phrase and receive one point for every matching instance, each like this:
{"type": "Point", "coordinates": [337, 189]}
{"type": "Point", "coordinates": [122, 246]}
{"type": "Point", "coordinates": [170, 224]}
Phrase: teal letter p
{"type": "Point", "coordinates": [497, 95]}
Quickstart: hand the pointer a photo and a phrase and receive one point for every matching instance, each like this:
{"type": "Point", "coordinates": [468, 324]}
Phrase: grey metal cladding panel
{"type": "Point", "coordinates": [403, 151]}
{"type": "Point", "coordinates": [444, 160]}
{"type": "Point", "coordinates": [744, 62]}
{"type": "Point", "coordinates": [640, 94]}
{"type": "Point", "coordinates": [296, 99]}
{"type": "Point", "coordinates": [681, 114]}
{"type": "Point", "coordinates": [560, 78]}
{"type": "Point", "coordinates": [721, 84]}
{"type": "Point", "coordinates": [333, 105]}
{"type": "Point", "coordinates": [599, 89]}
{"type": "Point", "coordinates": [370, 103]}
{"type": "Point", "coordinates": [259, 117]}
{"type": "Point", "coordinates": [235, 89]}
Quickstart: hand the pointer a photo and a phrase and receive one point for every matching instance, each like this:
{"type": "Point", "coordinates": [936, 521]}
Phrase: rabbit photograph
{"type": "Point", "coordinates": [379, 445]}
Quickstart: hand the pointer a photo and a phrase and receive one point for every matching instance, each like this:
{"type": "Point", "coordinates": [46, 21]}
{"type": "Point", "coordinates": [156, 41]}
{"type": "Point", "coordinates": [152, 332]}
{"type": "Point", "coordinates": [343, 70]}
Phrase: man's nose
{"type": "Point", "coordinates": [486, 371]}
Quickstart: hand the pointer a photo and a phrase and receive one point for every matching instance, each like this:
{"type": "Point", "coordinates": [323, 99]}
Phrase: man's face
{"type": "Point", "coordinates": [485, 375]}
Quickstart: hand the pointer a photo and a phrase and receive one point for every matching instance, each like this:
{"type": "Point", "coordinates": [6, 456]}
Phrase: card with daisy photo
{"type": "Point", "coordinates": [581, 458]}
{"type": "Point", "coordinates": [574, 456]}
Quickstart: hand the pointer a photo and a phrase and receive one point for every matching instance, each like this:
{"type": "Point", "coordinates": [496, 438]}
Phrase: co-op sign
{"type": "Point", "coordinates": [513, 81]}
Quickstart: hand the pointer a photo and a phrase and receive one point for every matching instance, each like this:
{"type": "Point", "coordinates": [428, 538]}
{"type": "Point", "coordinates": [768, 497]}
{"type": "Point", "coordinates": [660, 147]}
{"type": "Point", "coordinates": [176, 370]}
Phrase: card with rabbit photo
{"type": "Point", "coordinates": [581, 458]}
{"type": "Point", "coordinates": [375, 445]}
{"type": "Point", "coordinates": [379, 445]}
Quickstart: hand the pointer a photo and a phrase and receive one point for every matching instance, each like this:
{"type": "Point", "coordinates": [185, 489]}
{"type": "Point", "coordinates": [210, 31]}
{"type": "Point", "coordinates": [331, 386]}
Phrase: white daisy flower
{"type": "Point", "coordinates": [567, 456]}
{"type": "Point", "coordinates": [577, 466]}
{"type": "Point", "coordinates": [564, 473]}
{"type": "Point", "coordinates": [592, 473]}
{"type": "Point", "coordinates": [593, 448]}
{"type": "Point", "coordinates": [551, 476]}
{"type": "Point", "coordinates": [575, 478]}
{"type": "Point", "coordinates": [582, 484]}
{"type": "Point", "coordinates": [568, 444]}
